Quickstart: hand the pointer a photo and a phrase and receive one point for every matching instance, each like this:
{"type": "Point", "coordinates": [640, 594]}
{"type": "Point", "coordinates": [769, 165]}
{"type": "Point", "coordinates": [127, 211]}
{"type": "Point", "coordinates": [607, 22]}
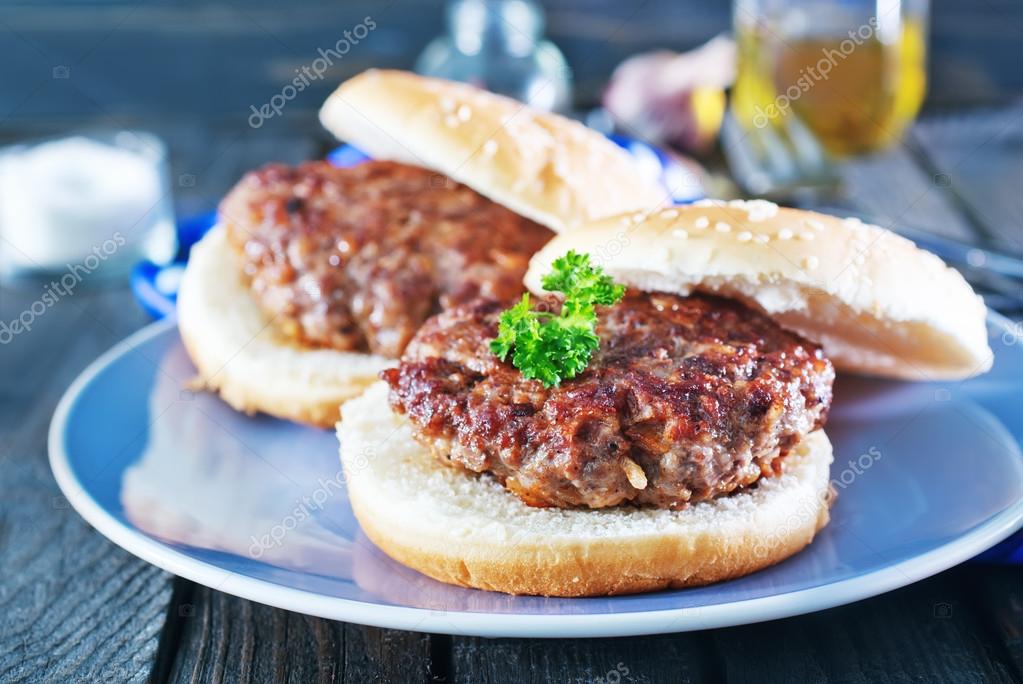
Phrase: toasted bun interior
{"type": "Point", "coordinates": [240, 353]}
{"type": "Point", "coordinates": [468, 530]}
{"type": "Point", "coordinates": [878, 304]}
{"type": "Point", "coordinates": [542, 166]}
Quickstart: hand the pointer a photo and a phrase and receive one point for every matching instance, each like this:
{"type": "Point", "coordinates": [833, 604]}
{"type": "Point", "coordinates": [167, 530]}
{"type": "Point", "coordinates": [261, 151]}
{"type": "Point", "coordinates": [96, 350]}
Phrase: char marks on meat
{"type": "Point", "coordinates": [357, 258]}
{"type": "Point", "coordinates": [687, 399]}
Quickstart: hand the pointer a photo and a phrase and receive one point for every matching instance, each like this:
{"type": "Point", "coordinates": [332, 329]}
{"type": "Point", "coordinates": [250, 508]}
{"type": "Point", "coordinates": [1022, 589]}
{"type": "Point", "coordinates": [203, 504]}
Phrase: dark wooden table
{"type": "Point", "coordinates": [73, 607]}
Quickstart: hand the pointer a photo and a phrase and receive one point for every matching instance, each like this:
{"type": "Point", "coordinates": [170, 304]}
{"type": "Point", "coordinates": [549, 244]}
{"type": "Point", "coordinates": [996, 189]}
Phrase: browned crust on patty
{"type": "Point", "coordinates": [686, 400]}
{"type": "Point", "coordinates": [355, 259]}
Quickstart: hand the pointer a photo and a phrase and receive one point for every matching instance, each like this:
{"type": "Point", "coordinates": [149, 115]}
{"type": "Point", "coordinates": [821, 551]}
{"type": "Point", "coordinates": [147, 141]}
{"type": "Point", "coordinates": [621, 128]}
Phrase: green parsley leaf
{"type": "Point", "coordinates": [553, 348]}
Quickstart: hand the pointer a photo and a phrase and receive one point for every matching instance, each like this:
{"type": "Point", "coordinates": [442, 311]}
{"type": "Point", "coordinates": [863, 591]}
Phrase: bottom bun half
{"type": "Point", "coordinates": [468, 530]}
{"type": "Point", "coordinates": [240, 353]}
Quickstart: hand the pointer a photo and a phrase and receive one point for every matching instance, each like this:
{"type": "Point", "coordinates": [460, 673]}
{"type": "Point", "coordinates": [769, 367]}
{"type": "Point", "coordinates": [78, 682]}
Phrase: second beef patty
{"type": "Point", "coordinates": [687, 399]}
{"type": "Point", "coordinates": [357, 258]}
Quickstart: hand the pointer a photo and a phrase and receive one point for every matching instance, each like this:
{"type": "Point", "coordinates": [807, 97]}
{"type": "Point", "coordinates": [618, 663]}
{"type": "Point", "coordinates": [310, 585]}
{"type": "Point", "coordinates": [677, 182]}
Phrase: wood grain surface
{"type": "Point", "coordinates": [75, 608]}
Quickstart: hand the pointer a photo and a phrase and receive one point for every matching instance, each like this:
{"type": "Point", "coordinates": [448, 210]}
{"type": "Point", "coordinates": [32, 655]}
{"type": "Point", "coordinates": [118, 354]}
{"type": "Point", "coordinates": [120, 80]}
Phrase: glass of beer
{"type": "Point", "coordinates": [818, 81]}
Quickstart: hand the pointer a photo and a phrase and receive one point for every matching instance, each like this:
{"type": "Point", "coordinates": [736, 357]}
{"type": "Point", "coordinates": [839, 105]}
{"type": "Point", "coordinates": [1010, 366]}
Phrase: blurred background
{"type": "Point", "coordinates": [904, 112]}
{"type": "Point", "coordinates": [191, 70]}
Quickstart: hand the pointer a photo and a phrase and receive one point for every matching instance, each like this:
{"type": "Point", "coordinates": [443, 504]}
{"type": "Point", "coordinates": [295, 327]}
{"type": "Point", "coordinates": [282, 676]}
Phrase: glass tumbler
{"type": "Point", "coordinates": [819, 81]}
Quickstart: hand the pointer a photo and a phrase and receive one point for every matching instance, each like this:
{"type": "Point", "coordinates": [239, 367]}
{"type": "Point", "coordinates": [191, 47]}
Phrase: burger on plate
{"type": "Point", "coordinates": [653, 415]}
{"type": "Point", "coordinates": [317, 277]}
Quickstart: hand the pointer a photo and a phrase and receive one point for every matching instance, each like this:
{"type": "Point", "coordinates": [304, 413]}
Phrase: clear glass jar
{"type": "Point", "coordinates": [821, 80]}
{"type": "Point", "coordinates": [90, 204]}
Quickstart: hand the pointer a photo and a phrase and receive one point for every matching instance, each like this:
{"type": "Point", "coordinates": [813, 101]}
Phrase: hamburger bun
{"type": "Point", "coordinates": [542, 166]}
{"type": "Point", "coordinates": [240, 353]}
{"type": "Point", "coordinates": [876, 303]}
{"type": "Point", "coordinates": [470, 531]}
{"type": "Point", "coordinates": [545, 167]}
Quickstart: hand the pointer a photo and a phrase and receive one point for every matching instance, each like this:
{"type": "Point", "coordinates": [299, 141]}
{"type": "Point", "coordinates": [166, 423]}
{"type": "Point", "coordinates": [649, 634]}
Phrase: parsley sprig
{"type": "Point", "coordinates": [548, 347]}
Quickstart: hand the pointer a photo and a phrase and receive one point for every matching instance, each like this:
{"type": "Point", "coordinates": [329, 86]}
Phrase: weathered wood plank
{"type": "Point", "coordinates": [216, 59]}
{"type": "Point", "coordinates": [979, 158]}
{"type": "Point", "coordinates": [207, 162]}
{"type": "Point", "coordinates": [929, 631]}
{"type": "Point", "coordinates": [675, 658]}
{"type": "Point", "coordinates": [73, 607]}
{"type": "Point", "coordinates": [893, 190]}
{"type": "Point", "coordinates": [224, 638]}
{"type": "Point", "coordinates": [934, 630]}
{"type": "Point", "coordinates": [997, 591]}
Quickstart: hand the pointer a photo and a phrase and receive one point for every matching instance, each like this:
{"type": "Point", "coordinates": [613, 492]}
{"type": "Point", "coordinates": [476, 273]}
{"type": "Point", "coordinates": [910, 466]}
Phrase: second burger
{"type": "Point", "coordinates": [317, 277]}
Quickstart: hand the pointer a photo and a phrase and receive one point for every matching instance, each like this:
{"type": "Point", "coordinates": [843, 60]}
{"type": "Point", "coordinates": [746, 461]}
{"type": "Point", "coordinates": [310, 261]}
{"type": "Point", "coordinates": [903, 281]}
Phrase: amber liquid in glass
{"type": "Point", "coordinates": [855, 96]}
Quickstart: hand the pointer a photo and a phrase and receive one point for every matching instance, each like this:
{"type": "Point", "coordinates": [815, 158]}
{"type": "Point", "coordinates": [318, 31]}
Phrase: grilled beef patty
{"type": "Point", "coordinates": [357, 258]}
{"type": "Point", "coordinates": [687, 399]}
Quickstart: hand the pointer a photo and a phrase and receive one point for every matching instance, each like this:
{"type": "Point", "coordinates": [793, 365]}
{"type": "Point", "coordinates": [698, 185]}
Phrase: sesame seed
{"type": "Point", "coordinates": [490, 148]}
{"type": "Point", "coordinates": [761, 210]}
{"type": "Point", "coordinates": [811, 262]}
{"type": "Point", "coordinates": [744, 236]}
{"type": "Point", "coordinates": [701, 222]}
{"type": "Point", "coordinates": [464, 113]}
{"type": "Point", "coordinates": [447, 104]}
{"type": "Point", "coordinates": [785, 234]}
{"type": "Point", "coordinates": [638, 216]}
{"type": "Point", "coordinates": [722, 227]}
{"type": "Point", "coordinates": [680, 233]}
{"type": "Point", "coordinates": [815, 224]}
{"type": "Point", "coordinates": [451, 120]}
{"type": "Point", "coordinates": [761, 239]}
{"type": "Point", "coordinates": [807, 235]}
{"type": "Point", "coordinates": [669, 213]}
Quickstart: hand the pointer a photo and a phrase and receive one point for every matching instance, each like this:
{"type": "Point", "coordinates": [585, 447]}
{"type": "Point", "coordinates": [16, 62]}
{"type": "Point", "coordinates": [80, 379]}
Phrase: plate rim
{"type": "Point", "coordinates": [486, 624]}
